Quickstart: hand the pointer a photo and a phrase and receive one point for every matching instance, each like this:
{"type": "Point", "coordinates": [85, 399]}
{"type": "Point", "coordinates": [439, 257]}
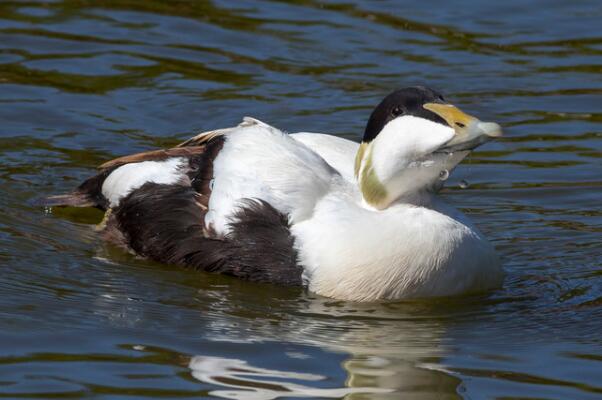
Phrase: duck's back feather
{"type": "Point", "coordinates": [261, 162]}
{"type": "Point", "coordinates": [336, 151]}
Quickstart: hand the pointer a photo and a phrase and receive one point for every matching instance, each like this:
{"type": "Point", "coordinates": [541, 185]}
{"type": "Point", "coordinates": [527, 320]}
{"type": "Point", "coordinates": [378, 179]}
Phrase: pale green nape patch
{"type": "Point", "coordinates": [373, 191]}
{"type": "Point", "coordinates": [359, 157]}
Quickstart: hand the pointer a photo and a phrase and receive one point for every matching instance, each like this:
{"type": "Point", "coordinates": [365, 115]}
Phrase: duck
{"type": "Point", "coordinates": [351, 221]}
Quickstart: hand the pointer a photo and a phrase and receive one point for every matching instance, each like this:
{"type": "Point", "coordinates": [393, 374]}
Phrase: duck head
{"type": "Point", "coordinates": [412, 141]}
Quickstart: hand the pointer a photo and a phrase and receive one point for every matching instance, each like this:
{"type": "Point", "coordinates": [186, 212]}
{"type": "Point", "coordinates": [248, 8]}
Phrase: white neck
{"type": "Point", "coordinates": [399, 162]}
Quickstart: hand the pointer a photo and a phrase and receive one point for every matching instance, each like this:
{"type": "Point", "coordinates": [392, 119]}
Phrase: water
{"type": "Point", "coordinates": [82, 82]}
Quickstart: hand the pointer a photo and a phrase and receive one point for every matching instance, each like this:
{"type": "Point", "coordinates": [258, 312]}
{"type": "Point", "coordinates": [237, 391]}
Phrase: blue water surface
{"type": "Point", "coordinates": [82, 82]}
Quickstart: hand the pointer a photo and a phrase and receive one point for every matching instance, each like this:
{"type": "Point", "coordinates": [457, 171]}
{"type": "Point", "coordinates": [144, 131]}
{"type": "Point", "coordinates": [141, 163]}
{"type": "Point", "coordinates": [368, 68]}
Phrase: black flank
{"type": "Point", "coordinates": [166, 223]}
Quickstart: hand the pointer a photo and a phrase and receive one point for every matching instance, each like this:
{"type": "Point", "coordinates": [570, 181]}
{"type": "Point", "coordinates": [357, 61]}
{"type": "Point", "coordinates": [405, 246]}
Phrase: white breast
{"type": "Point", "coordinates": [350, 252]}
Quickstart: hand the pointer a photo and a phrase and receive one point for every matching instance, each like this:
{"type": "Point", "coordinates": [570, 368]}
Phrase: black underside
{"type": "Point", "coordinates": [166, 223]}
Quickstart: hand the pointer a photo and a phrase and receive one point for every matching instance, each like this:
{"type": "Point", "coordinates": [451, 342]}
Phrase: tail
{"type": "Point", "coordinates": [88, 194]}
{"type": "Point", "coordinates": [73, 199]}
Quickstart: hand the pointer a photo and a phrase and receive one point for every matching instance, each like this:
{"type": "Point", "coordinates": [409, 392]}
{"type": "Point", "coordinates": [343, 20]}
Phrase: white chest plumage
{"type": "Point", "coordinates": [354, 253]}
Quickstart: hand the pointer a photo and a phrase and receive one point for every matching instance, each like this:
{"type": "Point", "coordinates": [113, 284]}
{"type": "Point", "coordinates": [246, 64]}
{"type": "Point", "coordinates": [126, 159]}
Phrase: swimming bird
{"type": "Point", "coordinates": [360, 222]}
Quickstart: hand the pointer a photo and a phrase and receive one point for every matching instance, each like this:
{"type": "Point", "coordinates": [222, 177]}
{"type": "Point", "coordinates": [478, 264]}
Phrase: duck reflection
{"type": "Point", "coordinates": [386, 352]}
{"type": "Point", "coordinates": [322, 347]}
{"type": "Point", "coordinates": [248, 382]}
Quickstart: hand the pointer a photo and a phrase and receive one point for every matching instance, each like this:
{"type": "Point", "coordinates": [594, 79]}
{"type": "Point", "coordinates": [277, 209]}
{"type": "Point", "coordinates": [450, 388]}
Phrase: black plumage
{"type": "Point", "coordinates": [166, 223]}
{"type": "Point", "coordinates": [406, 101]}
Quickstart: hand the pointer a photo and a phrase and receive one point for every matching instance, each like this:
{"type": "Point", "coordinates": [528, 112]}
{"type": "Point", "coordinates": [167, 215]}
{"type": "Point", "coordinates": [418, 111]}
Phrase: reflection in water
{"type": "Point", "coordinates": [377, 349]}
{"type": "Point", "coordinates": [384, 349]}
{"type": "Point", "coordinates": [259, 384]}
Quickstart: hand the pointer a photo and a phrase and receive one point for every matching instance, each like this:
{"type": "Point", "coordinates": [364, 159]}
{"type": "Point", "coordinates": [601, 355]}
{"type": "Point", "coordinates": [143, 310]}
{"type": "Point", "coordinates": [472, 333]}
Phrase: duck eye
{"type": "Point", "coordinates": [397, 111]}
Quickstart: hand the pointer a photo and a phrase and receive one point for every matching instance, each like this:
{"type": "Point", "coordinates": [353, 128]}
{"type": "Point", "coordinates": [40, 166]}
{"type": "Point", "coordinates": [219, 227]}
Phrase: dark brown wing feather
{"type": "Point", "coordinates": [154, 155]}
{"type": "Point", "coordinates": [73, 199]}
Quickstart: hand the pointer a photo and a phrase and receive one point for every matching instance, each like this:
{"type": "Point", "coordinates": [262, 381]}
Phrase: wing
{"type": "Point", "coordinates": [159, 166]}
{"type": "Point", "coordinates": [118, 177]}
{"type": "Point", "coordinates": [222, 201]}
{"type": "Point", "coordinates": [250, 161]}
{"type": "Point", "coordinates": [261, 162]}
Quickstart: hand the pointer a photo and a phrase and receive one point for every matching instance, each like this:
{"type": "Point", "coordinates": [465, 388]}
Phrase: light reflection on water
{"type": "Point", "coordinates": [81, 83]}
{"type": "Point", "coordinates": [264, 384]}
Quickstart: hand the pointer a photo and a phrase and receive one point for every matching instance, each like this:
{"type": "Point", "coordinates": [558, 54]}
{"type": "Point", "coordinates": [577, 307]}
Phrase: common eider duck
{"type": "Point", "coordinates": [358, 222]}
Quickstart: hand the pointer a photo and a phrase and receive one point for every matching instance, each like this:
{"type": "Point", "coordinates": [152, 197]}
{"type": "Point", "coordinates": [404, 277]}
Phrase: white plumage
{"type": "Point", "coordinates": [261, 162]}
{"type": "Point", "coordinates": [365, 219]}
{"type": "Point", "coordinates": [336, 151]}
{"type": "Point", "coordinates": [129, 177]}
{"type": "Point", "coordinates": [349, 250]}
{"type": "Point", "coordinates": [404, 251]}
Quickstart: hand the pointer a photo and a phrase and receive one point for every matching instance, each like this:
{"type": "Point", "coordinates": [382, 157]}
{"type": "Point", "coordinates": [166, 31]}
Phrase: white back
{"type": "Point", "coordinates": [261, 162]}
{"type": "Point", "coordinates": [338, 152]}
